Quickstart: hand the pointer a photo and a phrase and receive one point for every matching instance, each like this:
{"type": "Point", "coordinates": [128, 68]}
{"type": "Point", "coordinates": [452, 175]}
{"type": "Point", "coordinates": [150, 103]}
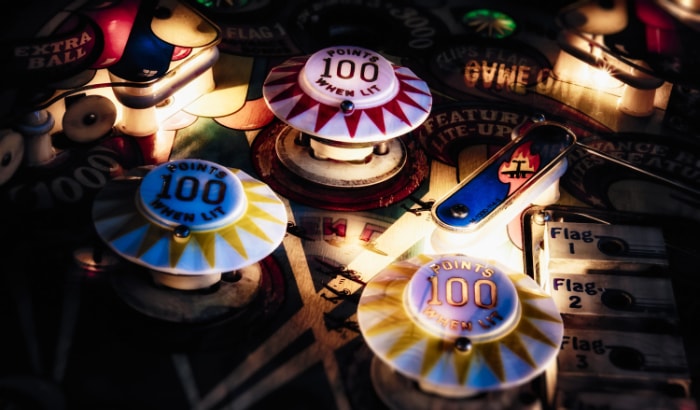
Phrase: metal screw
{"type": "Point", "coordinates": [181, 231]}
{"type": "Point", "coordinates": [459, 211]}
{"type": "Point", "coordinates": [347, 107]}
{"type": "Point", "coordinates": [463, 344]}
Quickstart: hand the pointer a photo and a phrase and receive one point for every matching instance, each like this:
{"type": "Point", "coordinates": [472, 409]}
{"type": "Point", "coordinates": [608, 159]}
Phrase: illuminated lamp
{"type": "Point", "coordinates": [640, 84]}
{"type": "Point", "coordinates": [686, 11]}
{"type": "Point", "coordinates": [489, 23]}
{"type": "Point", "coordinates": [690, 5]}
{"type": "Point", "coordinates": [585, 60]}
{"type": "Point", "coordinates": [585, 26]}
{"type": "Point", "coordinates": [591, 70]}
{"type": "Point", "coordinates": [191, 78]}
{"type": "Point", "coordinates": [146, 59]}
{"type": "Point", "coordinates": [152, 68]}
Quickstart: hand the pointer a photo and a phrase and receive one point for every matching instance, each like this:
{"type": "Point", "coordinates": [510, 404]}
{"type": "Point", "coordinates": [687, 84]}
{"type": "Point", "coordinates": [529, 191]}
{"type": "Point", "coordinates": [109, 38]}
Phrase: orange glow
{"type": "Point", "coordinates": [521, 166]}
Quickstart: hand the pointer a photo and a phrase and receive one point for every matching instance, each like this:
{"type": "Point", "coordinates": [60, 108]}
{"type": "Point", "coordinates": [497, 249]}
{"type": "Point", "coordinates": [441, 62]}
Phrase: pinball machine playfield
{"type": "Point", "coordinates": [345, 205]}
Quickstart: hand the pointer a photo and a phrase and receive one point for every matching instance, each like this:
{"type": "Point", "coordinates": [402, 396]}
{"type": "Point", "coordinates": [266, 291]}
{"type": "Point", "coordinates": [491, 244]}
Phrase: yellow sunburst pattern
{"type": "Point", "coordinates": [509, 358]}
{"type": "Point", "coordinates": [137, 236]}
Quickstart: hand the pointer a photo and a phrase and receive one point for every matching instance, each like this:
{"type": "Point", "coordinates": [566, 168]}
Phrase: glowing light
{"type": "Point", "coordinates": [587, 66]}
{"type": "Point", "coordinates": [490, 23]}
{"type": "Point", "coordinates": [519, 167]}
{"type": "Point", "coordinates": [510, 356]}
{"type": "Point", "coordinates": [190, 79]}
